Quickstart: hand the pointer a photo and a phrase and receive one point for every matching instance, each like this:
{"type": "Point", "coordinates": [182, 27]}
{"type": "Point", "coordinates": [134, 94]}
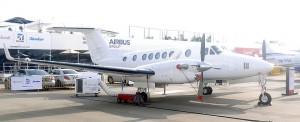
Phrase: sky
{"type": "Point", "coordinates": [230, 20]}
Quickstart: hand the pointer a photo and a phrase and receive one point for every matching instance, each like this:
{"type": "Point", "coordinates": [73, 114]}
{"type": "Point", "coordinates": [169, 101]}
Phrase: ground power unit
{"type": "Point", "coordinates": [87, 86]}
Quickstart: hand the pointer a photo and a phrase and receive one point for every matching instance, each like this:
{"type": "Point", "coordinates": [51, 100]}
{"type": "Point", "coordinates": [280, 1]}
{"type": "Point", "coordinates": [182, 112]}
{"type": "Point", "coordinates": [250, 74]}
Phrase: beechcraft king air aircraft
{"type": "Point", "coordinates": [170, 65]}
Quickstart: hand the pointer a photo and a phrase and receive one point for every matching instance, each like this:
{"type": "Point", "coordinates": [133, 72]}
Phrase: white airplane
{"type": "Point", "coordinates": [181, 64]}
{"type": "Point", "coordinates": [280, 57]}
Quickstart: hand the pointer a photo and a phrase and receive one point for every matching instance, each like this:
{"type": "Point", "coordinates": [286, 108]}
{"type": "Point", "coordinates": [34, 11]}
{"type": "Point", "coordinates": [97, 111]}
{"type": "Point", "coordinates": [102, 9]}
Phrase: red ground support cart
{"type": "Point", "coordinates": [126, 98]}
{"type": "Point", "coordinates": [130, 98]}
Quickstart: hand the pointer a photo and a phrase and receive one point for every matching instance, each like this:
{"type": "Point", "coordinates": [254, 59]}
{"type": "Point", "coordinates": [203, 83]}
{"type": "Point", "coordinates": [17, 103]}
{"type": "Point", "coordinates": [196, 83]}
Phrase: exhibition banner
{"type": "Point", "coordinates": [26, 83]}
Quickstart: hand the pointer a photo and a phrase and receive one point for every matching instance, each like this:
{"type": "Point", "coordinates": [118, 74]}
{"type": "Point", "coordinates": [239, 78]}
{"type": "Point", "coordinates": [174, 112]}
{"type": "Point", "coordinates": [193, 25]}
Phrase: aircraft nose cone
{"type": "Point", "coordinates": [266, 67]}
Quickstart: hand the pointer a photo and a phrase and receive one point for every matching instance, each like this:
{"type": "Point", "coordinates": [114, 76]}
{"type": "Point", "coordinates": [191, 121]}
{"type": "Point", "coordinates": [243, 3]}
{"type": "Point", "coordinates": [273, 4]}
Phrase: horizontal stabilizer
{"type": "Point", "coordinates": [81, 29]}
{"type": "Point", "coordinates": [73, 29]}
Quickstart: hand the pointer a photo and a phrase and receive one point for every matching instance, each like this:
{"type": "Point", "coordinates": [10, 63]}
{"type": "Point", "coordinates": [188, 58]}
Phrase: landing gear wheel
{"type": "Point", "coordinates": [145, 96]}
{"type": "Point", "coordinates": [110, 80]}
{"type": "Point", "coordinates": [207, 90]}
{"type": "Point", "coordinates": [210, 90]}
{"type": "Point", "coordinates": [265, 99]}
{"type": "Point", "coordinates": [119, 100]}
{"type": "Point", "coordinates": [96, 94]}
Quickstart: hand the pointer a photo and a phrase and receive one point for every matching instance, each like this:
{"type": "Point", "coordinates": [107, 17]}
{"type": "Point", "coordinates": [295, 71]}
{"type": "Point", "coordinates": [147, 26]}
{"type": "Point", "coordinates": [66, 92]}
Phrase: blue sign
{"type": "Point", "coordinates": [36, 39]}
{"type": "Point", "coordinates": [36, 81]}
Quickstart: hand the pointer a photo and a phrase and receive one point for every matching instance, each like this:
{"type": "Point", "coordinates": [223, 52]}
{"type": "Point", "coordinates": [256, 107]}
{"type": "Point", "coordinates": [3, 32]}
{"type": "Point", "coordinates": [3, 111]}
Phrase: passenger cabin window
{"type": "Point", "coordinates": [144, 57]}
{"type": "Point", "coordinates": [134, 57]}
{"type": "Point", "coordinates": [125, 58]}
{"type": "Point", "coordinates": [164, 55]}
{"type": "Point", "coordinates": [157, 55]}
{"type": "Point", "coordinates": [171, 53]}
{"type": "Point", "coordinates": [150, 56]}
{"type": "Point", "coordinates": [188, 53]}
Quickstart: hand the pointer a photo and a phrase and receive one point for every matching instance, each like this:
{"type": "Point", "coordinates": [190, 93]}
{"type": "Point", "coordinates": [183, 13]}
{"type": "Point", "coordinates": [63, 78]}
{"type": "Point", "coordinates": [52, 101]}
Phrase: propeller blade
{"type": "Point", "coordinates": [202, 47]}
{"type": "Point", "coordinates": [200, 89]}
{"type": "Point", "coordinates": [264, 50]}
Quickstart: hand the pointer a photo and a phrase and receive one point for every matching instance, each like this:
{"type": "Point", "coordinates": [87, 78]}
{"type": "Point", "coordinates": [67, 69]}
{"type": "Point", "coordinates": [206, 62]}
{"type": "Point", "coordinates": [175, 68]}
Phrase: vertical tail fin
{"type": "Point", "coordinates": [98, 47]}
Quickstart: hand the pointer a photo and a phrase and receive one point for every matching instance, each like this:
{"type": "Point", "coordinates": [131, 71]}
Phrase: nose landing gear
{"type": "Point", "coordinates": [264, 98]}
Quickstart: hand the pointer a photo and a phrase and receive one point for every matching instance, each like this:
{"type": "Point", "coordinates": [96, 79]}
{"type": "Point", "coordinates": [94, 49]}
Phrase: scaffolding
{"type": "Point", "coordinates": [166, 34]}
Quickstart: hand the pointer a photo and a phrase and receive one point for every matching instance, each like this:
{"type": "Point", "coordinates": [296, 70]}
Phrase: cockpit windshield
{"type": "Point", "coordinates": [219, 49]}
{"type": "Point", "coordinates": [215, 49]}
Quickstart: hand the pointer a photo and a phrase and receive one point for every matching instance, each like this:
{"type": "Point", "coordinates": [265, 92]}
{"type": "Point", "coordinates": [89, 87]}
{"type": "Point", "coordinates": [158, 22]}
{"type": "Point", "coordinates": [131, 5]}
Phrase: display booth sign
{"type": "Point", "coordinates": [26, 83]}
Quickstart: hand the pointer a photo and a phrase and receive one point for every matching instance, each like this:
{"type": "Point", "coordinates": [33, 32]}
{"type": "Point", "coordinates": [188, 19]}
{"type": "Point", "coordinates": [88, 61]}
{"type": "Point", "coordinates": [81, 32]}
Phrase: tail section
{"type": "Point", "coordinates": [98, 47]}
{"type": "Point", "coordinates": [269, 48]}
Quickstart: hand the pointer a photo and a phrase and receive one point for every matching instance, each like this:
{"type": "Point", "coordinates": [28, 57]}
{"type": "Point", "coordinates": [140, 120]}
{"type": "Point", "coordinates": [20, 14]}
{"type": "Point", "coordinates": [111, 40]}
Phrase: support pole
{"type": "Point", "coordinates": [148, 83]}
{"type": "Point", "coordinates": [78, 56]}
{"type": "Point", "coordinates": [148, 87]}
{"type": "Point", "coordinates": [122, 83]}
{"type": "Point", "coordinates": [164, 90]}
{"type": "Point", "coordinates": [289, 90]}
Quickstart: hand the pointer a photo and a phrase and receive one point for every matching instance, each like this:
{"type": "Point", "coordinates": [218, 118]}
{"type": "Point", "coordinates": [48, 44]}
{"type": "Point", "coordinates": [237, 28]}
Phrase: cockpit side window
{"type": "Point", "coordinates": [216, 49]}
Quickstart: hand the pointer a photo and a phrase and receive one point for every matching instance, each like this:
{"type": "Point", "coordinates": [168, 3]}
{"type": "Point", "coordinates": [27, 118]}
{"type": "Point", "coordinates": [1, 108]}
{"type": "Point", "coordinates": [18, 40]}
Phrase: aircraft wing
{"type": "Point", "coordinates": [291, 65]}
{"type": "Point", "coordinates": [98, 68]}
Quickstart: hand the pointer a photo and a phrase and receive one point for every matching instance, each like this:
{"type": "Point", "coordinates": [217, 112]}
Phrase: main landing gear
{"type": "Point", "coordinates": [264, 98]}
{"type": "Point", "coordinates": [207, 90]}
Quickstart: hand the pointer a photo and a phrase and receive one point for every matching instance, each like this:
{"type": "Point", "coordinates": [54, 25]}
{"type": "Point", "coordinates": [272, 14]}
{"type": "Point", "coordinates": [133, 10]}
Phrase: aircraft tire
{"type": "Point", "coordinates": [110, 80]}
{"type": "Point", "coordinates": [205, 90]}
{"type": "Point", "coordinates": [265, 99]}
{"type": "Point", "coordinates": [145, 96]}
{"type": "Point", "coordinates": [210, 90]}
{"type": "Point", "coordinates": [119, 100]}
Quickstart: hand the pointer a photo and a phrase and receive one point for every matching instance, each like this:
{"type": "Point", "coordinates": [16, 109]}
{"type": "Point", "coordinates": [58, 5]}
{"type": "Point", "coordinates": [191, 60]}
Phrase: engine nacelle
{"type": "Point", "coordinates": [170, 71]}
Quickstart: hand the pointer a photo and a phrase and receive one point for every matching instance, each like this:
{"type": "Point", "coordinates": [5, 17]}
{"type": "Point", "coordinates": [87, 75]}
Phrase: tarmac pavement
{"type": "Point", "coordinates": [228, 103]}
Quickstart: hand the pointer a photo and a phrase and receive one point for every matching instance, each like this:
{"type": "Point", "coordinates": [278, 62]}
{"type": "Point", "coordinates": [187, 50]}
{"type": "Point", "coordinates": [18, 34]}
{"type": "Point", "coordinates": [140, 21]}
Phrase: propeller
{"type": "Point", "coordinates": [264, 50]}
{"type": "Point", "coordinates": [202, 52]}
{"type": "Point", "coordinates": [201, 67]}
